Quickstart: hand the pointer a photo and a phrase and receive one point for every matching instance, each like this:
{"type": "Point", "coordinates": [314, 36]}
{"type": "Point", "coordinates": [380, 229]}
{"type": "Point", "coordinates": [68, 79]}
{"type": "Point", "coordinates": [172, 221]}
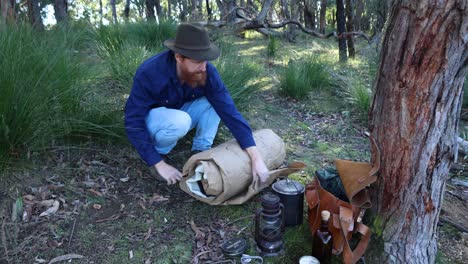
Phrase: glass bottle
{"type": "Point", "coordinates": [323, 242]}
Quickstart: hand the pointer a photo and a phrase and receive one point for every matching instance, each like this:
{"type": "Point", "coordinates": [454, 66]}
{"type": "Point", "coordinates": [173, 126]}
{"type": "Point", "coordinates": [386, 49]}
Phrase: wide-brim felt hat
{"type": "Point", "coordinates": [193, 42]}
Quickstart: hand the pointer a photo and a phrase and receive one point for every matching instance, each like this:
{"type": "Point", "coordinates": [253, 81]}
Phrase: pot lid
{"type": "Point", "coordinates": [288, 186]}
{"type": "Point", "coordinates": [234, 247]}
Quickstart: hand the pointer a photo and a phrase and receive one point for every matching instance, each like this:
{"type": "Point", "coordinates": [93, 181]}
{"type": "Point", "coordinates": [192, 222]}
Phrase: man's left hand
{"type": "Point", "coordinates": [259, 169]}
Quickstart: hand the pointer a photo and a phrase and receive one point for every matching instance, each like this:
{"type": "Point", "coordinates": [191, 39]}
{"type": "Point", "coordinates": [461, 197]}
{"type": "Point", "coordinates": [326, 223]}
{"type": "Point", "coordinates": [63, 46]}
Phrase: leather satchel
{"type": "Point", "coordinates": [345, 217]}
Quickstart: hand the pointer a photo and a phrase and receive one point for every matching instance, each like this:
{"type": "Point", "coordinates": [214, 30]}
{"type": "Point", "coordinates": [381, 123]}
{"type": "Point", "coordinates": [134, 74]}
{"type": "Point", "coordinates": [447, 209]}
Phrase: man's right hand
{"type": "Point", "coordinates": [169, 173]}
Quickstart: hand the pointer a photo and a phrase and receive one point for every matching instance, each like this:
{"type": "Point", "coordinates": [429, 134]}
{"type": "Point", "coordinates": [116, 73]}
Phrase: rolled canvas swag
{"type": "Point", "coordinates": [223, 175]}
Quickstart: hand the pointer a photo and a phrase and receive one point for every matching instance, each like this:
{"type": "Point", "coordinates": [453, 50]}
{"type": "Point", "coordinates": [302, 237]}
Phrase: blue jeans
{"type": "Point", "coordinates": [167, 126]}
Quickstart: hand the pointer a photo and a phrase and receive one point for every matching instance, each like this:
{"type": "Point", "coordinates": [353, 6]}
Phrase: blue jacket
{"type": "Point", "coordinates": [156, 85]}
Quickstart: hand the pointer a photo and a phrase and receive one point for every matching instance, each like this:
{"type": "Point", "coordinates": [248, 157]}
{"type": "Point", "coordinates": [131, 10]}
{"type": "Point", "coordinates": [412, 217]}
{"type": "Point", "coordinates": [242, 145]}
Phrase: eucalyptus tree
{"type": "Point", "coordinates": [414, 118]}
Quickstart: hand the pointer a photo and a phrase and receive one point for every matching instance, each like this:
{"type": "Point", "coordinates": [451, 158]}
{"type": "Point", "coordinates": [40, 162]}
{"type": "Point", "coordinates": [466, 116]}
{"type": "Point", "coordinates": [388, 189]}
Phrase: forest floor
{"type": "Point", "coordinates": [113, 211]}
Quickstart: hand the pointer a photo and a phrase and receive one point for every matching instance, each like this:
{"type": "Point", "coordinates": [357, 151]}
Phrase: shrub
{"type": "Point", "coordinates": [300, 77]}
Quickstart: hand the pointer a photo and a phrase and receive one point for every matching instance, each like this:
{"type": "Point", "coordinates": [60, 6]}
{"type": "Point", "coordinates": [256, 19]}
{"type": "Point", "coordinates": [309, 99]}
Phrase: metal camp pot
{"type": "Point", "coordinates": [291, 193]}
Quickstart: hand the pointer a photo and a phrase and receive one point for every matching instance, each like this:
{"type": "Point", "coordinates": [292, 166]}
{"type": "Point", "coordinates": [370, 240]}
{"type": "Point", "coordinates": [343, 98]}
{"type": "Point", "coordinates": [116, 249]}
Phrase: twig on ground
{"type": "Point", "coordinates": [71, 235]}
{"type": "Point", "coordinates": [113, 217]}
{"type": "Point", "coordinates": [65, 257]}
{"type": "Point", "coordinates": [4, 241]}
{"type": "Point", "coordinates": [238, 219]}
{"type": "Point", "coordinates": [200, 254]}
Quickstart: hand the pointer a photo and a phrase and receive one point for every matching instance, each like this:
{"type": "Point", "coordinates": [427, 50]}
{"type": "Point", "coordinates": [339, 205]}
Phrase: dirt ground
{"type": "Point", "coordinates": [113, 211]}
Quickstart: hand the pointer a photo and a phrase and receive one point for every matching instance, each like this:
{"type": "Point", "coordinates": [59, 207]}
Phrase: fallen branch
{"type": "Point", "coordinates": [452, 223]}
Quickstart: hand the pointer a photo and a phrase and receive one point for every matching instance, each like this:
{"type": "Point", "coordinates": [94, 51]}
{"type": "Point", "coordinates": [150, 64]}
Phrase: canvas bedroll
{"type": "Point", "coordinates": [225, 174]}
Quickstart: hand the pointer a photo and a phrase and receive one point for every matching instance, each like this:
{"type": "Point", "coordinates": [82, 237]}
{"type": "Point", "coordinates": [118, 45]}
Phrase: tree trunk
{"type": "Point", "coordinates": [157, 4]}
{"type": "Point", "coordinates": [414, 119]}
{"type": "Point", "coordinates": [61, 12]}
{"type": "Point", "coordinates": [150, 15]}
{"type": "Point", "coordinates": [323, 12]}
{"type": "Point", "coordinates": [114, 11]}
{"type": "Point", "coordinates": [34, 14]}
{"type": "Point", "coordinates": [359, 7]}
{"type": "Point", "coordinates": [350, 28]}
{"type": "Point", "coordinates": [309, 14]}
{"type": "Point", "coordinates": [127, 9]}
{"type": "Point", "coordinates": [341, 24]}
{"type": "Point", "coordinates": [8, 12]}
{"type": "Point", "coordinates": [100, 11]}
{"type": "Point", "coordinates": [208, 10]}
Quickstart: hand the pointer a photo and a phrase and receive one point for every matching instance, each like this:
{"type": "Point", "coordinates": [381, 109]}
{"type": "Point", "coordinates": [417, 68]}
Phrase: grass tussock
{"type": "Point", "coordinates": [44, 90]}
{"type": "Point", "coordinates": [300, 77]}
{"type": "Point", "coordinates": [124, 47]}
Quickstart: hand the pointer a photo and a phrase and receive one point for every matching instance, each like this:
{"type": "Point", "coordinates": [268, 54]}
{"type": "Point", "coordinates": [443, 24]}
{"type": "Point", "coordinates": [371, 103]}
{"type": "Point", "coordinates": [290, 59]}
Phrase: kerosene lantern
{"type": "Point", "coordinates": [269, 226]}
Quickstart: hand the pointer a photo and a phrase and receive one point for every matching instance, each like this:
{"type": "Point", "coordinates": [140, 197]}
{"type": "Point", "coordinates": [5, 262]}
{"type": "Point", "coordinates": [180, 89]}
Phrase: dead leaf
{"type": "Point", "coordinates": [97, 206]}
{"type": "Point", "coordinates": [124, 179]}
{"type": "Point", "coordinates": [51, 210]}
{"type": "Point", "coordinates": [46, 203]}
{"type": "Point", "coordinates": [27, 213]}
{"type": "Point", "coordinates": [95, 192]}
{"type": "Point", "coordinates": [142, 205]}
{"type": "Point", "coordinates": [29, 197]}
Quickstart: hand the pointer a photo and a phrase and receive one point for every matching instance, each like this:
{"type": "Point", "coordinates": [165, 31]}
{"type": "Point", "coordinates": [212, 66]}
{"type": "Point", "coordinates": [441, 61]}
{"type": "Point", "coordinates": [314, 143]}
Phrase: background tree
{"type": "Point", "coordinates": [114, 11]}
{"type": "Point", "coordinates": [34, 14]}
{"type": "Point", "coordinates": [341, 28]}
{"type": "Point", "coordinates": [350, 28]}
{"type": "Point", "coordinates": [309, 13]}
{"type": "Point", "coordinates": [323, 12]}
{"type": "Point", "coordinates": [7, 11]}
{"type": "Point", "coordinates": [414, 118]}
{"type": "Point", "coordinates": [61, 11]}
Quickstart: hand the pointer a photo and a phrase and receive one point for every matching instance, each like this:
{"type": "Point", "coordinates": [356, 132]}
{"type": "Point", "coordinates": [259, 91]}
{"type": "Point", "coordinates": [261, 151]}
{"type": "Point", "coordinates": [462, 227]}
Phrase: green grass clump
{"type": "Point", "coordinates": [239, 76]}
{"type": "Point", "coordinates": [300, 77]}
{"type": "Point", "coordinates": [39, 75]}
{"type": "Point", "coordinates": [272, 47]}
{"type": "Point", "coordinates": [359, 95]}
{"type": "Point", "coordinates": [45, 91]}
{"type": "Point", "coordinates": [124, 47]}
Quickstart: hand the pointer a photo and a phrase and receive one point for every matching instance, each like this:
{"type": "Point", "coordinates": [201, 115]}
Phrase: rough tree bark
{"type": "Point", "coordinates": [414, 118]}
{"type": "Point", "coordinates": [34, 14]}
{"type": "Point", "coordinates": [323, 12]}
{"type": "Point", "coordinates": [350, 28]}
{"type": "Point", "coordinates": [61, 11]}
{"type": "Point", "coordinates": [341, 25]}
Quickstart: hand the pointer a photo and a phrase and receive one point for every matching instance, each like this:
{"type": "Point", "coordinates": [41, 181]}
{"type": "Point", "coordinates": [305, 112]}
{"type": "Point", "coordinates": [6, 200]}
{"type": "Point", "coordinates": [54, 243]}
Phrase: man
{"type": "Point", "coordinates": [178, 90]}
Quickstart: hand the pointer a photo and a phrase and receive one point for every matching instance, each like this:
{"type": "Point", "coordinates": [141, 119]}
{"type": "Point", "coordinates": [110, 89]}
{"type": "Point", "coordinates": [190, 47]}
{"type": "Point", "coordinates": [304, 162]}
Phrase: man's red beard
{"type": "Point", "coordinates": [193, 79]}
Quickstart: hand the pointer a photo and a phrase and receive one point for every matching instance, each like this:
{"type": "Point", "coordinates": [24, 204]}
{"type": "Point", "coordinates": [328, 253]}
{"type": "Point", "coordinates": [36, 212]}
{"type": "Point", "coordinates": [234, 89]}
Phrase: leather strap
{"type": "Point", "coordinates": [352, 256]}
